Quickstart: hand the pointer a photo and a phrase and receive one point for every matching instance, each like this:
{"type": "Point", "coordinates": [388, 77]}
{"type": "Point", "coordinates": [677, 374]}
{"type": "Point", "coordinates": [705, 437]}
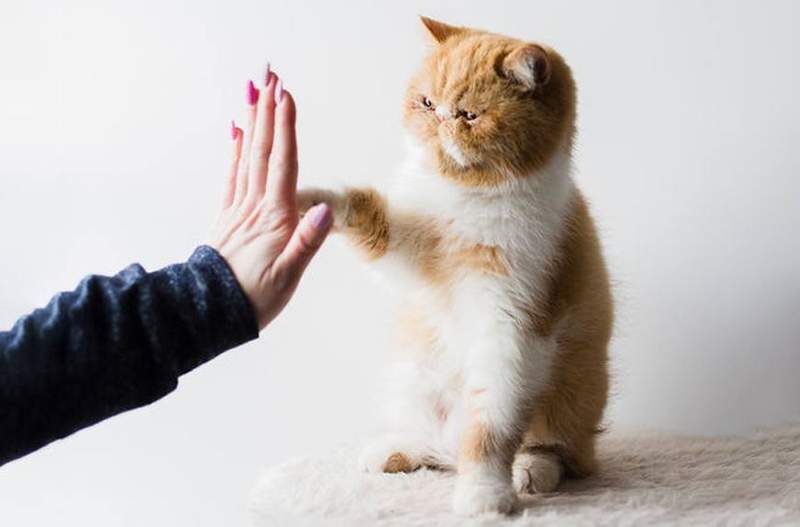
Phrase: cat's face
{"type": "Point", "coordinates": [489, 108]}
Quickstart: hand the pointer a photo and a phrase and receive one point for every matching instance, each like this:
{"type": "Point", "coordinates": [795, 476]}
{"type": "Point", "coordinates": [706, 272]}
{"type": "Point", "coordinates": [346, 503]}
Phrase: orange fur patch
{"type": "Point", "coordinates": [483, 259]}
{"type": "Point", "coordinates": [398, 462]}
{"type": "Point", "coordinates": [366, 221]}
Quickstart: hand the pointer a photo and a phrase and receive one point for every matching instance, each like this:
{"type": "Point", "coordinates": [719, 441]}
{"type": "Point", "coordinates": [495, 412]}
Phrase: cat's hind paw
{"type": "Point", "coordinates": [536, 472]}
{"type": "Point", "coordinates": [387, 458]}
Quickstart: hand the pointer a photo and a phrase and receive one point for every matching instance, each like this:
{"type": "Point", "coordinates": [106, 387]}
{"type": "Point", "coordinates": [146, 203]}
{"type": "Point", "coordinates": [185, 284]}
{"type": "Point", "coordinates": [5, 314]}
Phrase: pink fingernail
{"type": "Point", "coordinates": [266, 74]}
{"type": "Point", "coordinates": [252, 93]}
{"type": "Point", "coordinates": [321, 216]}
{"type": "Point", "coordinates": [233, 130]}
{"type": "Point", "coordinates": [279, 91]}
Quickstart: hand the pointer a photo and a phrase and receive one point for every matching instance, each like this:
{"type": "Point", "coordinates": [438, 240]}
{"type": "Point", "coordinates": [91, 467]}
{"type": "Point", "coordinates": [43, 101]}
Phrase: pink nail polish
{"type": "Point", "coordinates": [321, 216]}
{"type": "Point", "coordinates": [279, 91]}
{"type": "Point", "coordinates": [233, 130]}
{"type": "Point", "coordinates": [252, 93]}
{"type": "Point", "coordinates": [266, 74]}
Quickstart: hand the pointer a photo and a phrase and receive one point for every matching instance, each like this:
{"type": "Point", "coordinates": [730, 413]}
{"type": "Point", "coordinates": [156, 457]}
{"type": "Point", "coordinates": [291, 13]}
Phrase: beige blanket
{"type": "Point", "coordinates": [645, 479]}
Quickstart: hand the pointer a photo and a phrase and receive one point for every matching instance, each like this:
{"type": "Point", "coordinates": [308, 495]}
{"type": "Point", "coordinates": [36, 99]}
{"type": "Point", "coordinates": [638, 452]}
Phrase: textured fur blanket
{"type": "Point", "coordinates": [644, 479]}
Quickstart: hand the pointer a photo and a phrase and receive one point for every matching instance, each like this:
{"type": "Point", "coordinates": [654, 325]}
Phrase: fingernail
{"type": "Point", "coordinates": [321, 216]}
{"type": "Point", "coordinates": [233, 130]}
{"type": "Point", "coordinates": [252, 93]}
{"type": "Point", "coordinates": [279, 91]}
{"type": "Point", "coordinates": [266, 74]}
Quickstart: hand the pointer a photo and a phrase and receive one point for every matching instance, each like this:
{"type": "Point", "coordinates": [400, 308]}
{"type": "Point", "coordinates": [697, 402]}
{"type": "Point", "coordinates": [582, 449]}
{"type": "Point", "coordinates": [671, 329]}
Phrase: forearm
{"type": "Point", "coordinates": [401, 243]}
{"type": "Point", "coordinates": [113, 344]}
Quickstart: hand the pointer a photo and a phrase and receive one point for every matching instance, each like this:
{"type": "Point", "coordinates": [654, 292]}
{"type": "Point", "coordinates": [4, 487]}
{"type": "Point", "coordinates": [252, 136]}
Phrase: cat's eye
{"type": "Point", "coordinates": [427, 102]}
{"type": "Point", "coordinates": [469, 116]}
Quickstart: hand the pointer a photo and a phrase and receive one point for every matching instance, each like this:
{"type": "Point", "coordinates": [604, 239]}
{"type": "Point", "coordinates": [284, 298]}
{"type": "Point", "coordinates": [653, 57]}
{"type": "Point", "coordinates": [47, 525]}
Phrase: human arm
{"type": "Point", "coordinates": [116, 343]}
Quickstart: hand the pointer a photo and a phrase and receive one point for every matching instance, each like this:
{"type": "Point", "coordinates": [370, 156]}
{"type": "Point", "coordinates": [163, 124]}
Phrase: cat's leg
{"type": "Point", "coordinates": [420, 412]}
{"type": "Point", "coordinates": [412, 424]}
{"type": "Point", "coordinates": [560, 439]}
{"type": "Point", "coordinates": [503, 374]}
{"type": "Point", "coordinates": [402, 444]}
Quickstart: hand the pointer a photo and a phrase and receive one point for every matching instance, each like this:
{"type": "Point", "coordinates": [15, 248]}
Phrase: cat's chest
{"type": "Point", "coordinates": [517, 218]}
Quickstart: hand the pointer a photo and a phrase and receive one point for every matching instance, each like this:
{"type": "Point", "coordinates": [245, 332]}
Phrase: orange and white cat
{"type": "Point", "coordinates": [502, 373]}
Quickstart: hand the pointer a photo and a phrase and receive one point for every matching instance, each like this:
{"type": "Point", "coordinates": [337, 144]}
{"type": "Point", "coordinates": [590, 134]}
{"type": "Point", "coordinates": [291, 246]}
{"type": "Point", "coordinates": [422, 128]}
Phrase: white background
{"type": "Point", "coordinates": [113, 146]}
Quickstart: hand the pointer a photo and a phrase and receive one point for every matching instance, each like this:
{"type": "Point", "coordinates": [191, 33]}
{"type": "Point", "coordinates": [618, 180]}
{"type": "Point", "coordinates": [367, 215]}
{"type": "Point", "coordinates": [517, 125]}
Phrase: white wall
{"type": "Point", "coordinates": [113, 143]}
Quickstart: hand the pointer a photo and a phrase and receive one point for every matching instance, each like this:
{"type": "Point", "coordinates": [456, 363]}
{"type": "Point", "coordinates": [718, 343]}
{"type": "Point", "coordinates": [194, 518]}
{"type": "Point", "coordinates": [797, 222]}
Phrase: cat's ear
{"type": "Point", "coordinates": [439, 31]}
{"type": "Point", "coordinates": [529, 66]}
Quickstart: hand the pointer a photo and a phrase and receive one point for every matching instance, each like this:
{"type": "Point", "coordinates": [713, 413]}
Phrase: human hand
{"type": "Point", "coordinates": [259, 231]}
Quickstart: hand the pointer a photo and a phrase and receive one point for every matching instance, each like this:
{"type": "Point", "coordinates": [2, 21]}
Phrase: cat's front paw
{"type": "Point", "coordinates": [478, 493]}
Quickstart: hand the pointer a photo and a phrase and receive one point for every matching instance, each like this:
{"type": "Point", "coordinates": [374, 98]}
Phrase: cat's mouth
{"type": "Point", "coordinates": [454, 152]}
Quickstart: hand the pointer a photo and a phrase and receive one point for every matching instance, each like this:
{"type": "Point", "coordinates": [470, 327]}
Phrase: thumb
{"type": "Point", "coordinates": [305, 242]}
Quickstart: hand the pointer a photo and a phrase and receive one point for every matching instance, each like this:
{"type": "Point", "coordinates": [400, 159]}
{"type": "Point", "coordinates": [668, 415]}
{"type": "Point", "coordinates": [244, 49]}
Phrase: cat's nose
{"type": "Point", "coordinates": [443, 113]}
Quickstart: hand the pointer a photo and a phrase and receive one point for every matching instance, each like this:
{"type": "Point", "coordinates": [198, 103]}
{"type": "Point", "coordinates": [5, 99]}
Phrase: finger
{"type": "Point", "coordinates": [304, 243]}
{"type": "Point", "coordinates": [230, 188]}
{"type": "Point", "coordinates": [262, 139]}
{"type": "Point", "coordinates": [244, 165]}
{"type": "Point", "coordinates": [282, 186]}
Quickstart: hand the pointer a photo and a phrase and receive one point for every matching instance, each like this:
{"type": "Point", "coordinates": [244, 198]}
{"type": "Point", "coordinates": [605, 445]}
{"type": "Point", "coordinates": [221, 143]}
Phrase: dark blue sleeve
{"type": "Point", "coordinates": [113, 344]}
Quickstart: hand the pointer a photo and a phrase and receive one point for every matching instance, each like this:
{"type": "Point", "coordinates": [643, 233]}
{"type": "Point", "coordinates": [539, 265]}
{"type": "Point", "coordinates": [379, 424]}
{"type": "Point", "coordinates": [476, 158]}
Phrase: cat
{"type": "Point", "coordinates": [503, 372]}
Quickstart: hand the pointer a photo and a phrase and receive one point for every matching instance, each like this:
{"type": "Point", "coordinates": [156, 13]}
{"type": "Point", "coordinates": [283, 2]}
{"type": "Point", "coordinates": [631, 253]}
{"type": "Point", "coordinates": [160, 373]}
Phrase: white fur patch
{"type": "Point", "coordinates": [452, 150]}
